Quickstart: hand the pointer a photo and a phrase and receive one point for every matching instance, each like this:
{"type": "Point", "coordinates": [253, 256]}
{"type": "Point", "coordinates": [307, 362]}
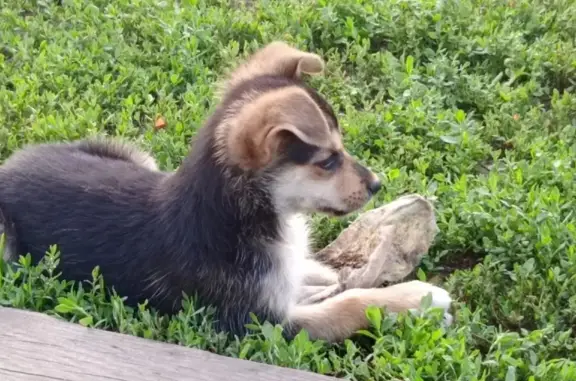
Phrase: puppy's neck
{"type": "Point", "coordinates": [214, 206]}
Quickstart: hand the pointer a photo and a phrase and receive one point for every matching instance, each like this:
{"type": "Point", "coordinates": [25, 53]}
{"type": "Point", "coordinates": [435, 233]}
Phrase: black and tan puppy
{"type": "Point", "coordinates": [228, 225]}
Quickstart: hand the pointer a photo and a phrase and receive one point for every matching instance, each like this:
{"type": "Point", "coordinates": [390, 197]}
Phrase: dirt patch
{"type": "Point", "coordinates": [461, 261]}
{"type": "Point", "coordinates": [465, 260]}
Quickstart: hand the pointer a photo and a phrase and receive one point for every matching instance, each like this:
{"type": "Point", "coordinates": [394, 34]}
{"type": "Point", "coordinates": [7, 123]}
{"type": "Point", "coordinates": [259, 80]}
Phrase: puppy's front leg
{"type": "Point", "coordinates": [339, 317]}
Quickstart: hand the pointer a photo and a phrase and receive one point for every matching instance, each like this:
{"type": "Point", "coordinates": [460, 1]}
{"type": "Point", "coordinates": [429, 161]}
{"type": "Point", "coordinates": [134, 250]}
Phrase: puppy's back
{"type": "Point", "coordinates": [96, 207]}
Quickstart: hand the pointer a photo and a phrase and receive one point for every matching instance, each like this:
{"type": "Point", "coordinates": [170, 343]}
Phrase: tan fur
{"type": "Point", "coordinates": [250, 138]}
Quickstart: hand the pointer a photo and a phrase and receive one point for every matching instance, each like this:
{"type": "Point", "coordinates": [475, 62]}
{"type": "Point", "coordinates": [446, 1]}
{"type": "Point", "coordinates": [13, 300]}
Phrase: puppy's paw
{"type": "Point", "coordinates": [414, 292]}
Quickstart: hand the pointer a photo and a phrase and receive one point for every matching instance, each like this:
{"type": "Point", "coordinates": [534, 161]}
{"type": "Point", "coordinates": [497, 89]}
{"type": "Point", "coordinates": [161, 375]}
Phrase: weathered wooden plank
{"type": "Point", "coordinates": [37, 347]}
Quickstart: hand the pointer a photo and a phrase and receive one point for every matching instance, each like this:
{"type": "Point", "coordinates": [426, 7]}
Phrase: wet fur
{"type": "Point", "coordinates": [228, 226]}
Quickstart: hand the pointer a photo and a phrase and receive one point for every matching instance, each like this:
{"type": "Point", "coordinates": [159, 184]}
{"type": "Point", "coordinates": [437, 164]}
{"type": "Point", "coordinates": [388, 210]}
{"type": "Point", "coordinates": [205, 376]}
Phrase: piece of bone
{"type": "Point", "coordinates": [383, 245]}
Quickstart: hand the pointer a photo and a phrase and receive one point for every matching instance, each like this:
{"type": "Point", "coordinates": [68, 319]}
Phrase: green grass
{"type": "Point", "coordinates": [471, 101]}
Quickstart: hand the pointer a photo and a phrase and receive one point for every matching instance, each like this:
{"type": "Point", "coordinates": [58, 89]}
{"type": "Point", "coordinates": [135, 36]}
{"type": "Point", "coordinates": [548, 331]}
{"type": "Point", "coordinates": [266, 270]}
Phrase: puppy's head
{"type": "Point", "coordinates": [281, 129]}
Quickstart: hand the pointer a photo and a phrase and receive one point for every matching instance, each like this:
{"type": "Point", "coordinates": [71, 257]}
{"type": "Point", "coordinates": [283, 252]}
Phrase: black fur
{"type": "Point", "coordinates": [154, 234]}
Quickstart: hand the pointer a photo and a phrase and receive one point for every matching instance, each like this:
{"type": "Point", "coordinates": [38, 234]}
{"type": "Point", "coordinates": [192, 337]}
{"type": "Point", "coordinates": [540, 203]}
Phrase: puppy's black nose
{"type": "Point", "coordinates": [374, 186]}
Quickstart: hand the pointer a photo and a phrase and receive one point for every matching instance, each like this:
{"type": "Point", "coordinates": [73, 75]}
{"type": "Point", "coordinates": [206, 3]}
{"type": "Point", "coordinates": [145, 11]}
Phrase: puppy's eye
{"type": "Point", "coordinates": [331, 163]}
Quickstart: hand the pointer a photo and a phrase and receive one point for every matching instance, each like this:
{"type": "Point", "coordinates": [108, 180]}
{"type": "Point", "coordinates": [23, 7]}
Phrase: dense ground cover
{"type": "Point", "coordinates": [471, 101]}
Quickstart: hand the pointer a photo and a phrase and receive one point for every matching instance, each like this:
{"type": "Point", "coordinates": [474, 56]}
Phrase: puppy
{"type": "Point", "coordinates": [228, 226]}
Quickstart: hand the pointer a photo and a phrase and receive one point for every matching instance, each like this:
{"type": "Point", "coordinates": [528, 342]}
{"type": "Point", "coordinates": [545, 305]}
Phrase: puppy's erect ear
{"type": "Point", "coordinates": [257, 133]}
{"type": "Point", "coordinates": [278, 58]}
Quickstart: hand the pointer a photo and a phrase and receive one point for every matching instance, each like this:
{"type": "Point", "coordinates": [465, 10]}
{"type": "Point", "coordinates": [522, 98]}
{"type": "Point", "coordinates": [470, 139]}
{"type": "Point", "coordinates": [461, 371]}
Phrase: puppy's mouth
{"type": "Point", "coordinates": [333, 212]}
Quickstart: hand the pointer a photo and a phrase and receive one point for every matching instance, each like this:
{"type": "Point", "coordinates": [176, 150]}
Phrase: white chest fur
{"type": "Point", "coordinates": [281, 286]}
